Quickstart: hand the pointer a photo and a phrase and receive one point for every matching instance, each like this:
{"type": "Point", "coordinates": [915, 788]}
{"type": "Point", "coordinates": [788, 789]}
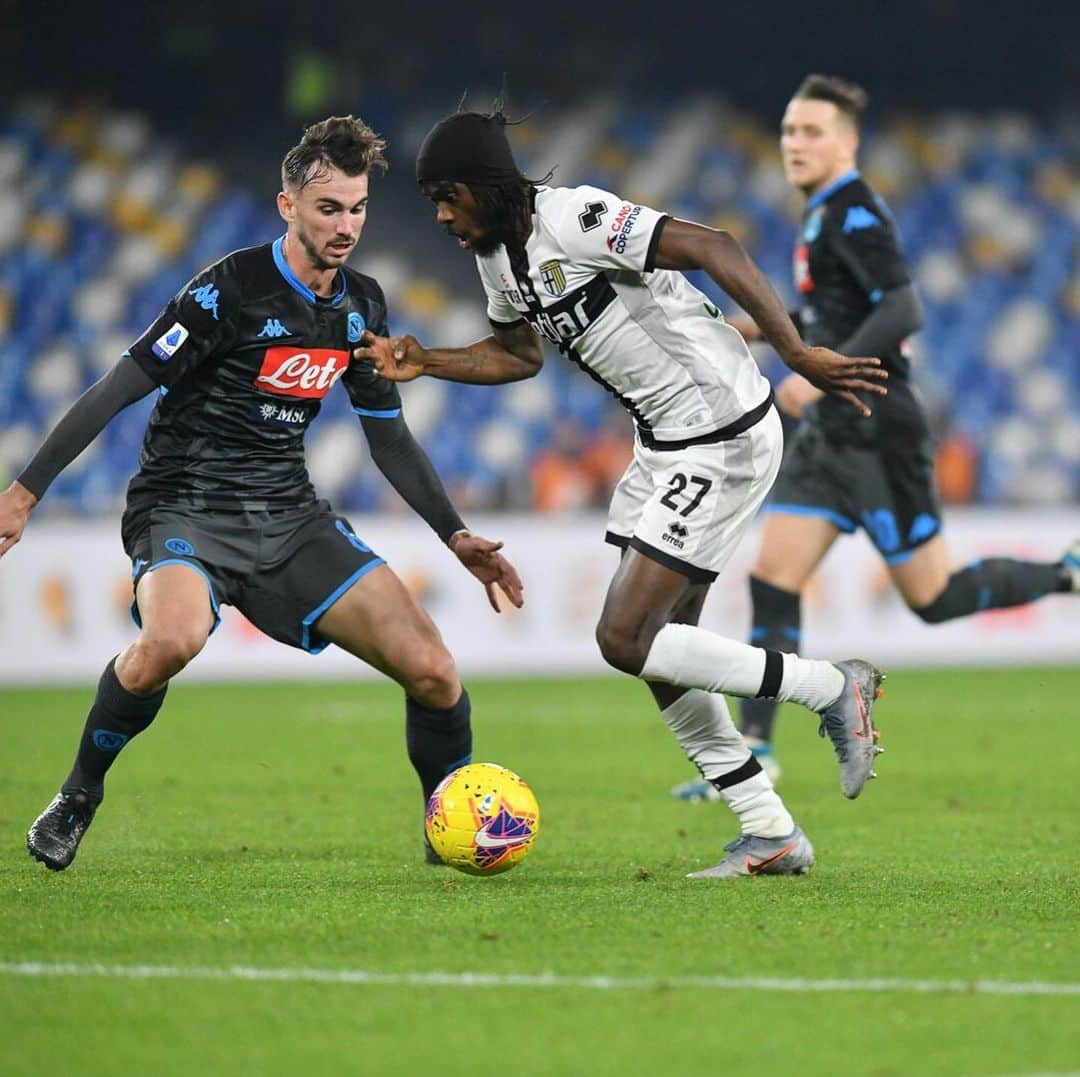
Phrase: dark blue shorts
{"type": "Point", "coordinates": [890, 492]}
{"type": "Point", "coordinates": [281, 569]}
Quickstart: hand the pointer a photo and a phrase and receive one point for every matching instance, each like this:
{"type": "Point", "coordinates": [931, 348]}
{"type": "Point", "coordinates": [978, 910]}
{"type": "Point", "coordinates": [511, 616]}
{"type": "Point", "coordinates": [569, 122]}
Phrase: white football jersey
{"type": "Point", "coordinates": [649, 336]}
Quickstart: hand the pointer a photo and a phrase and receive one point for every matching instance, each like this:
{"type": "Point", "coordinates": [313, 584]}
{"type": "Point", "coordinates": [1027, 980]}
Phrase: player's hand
{"type": "Point", "coordinates": [795, 394]}
{"type": "Point", "coordinates": [482, 558]}
{"type": "Point", "coordinates": [15, 505]}
{"type": "Point", "coordinates": [841, 375]}
{"type": "Point", "coordinates": [396, 359]}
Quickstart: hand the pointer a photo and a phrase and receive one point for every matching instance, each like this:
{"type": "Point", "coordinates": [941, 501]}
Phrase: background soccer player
{"type": "Point", "coordinates": [593, 273]}
{"type": "Point", "coordinates": [857, 296]}
{"type": "Point", "coordinates": [222, 510]}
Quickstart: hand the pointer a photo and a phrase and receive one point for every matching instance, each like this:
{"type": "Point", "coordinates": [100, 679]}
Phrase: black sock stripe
{"type": "Point", "coordinates": [773, 675]}
{"type": "Point", "coordinates": [740, 774]}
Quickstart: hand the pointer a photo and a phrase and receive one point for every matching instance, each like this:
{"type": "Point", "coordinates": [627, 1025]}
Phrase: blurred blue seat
{"type": "Point", "coordinates": [43, 286]}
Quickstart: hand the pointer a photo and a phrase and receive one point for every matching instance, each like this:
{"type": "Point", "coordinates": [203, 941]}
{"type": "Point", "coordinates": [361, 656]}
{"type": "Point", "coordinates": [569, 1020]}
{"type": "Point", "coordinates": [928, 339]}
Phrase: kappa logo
{"type": "Point", "coordinates": [273, 328]}
{"type": "Point", "coordinates": [206, 297]}
{"type": "Point", "coordinates": [167, 345]}
{"type": "Point", "coordinates": [308, 375]}
{"type": "Point", "coordinates": [859, 217]}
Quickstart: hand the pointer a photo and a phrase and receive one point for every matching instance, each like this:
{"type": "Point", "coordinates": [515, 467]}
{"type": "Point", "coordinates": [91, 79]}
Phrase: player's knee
{"type": "Point", "coordinates": [433, 681]}
{"type": "Point", "coordinates": [934, 613]}
{"type": "Point", "coordinates": [621, 646]}
{"type": "Point", "coordinates": [158, 658]}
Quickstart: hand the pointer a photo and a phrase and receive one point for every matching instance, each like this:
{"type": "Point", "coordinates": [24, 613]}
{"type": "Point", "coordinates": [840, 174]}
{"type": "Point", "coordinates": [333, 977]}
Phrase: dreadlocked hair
{"type": "Point", "coordinates": [506, 208]}
{"type": "Point", "coordinates": [342, 142]}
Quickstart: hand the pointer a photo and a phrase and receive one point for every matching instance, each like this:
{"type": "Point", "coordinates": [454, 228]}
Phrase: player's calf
{"type": "Point", "coordinates": [1000, 582]}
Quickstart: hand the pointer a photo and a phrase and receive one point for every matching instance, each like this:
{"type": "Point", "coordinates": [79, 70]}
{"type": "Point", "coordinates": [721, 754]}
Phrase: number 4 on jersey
{"type": "Point", "coordinates": [592, 215]}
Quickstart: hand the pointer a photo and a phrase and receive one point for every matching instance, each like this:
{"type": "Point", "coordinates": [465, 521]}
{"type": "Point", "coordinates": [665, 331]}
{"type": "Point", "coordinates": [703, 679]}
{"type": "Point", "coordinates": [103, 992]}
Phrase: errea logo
{"type": "Point", "coordinates": [676, 535]}
{"type": "Point", "coordinates": [273, 328]}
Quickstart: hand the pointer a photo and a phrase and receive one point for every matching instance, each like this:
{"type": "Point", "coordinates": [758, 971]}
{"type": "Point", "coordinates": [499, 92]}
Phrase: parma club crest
{"type": "Point", "coordinates": [553, 278]}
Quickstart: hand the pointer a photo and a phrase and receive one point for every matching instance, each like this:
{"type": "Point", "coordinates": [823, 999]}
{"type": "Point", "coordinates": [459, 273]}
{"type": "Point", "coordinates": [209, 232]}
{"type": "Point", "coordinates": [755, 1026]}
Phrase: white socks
{"type": "Point", "coordinates": [703, 727]}
{"type": "Point", "coordinates": [691, 657]}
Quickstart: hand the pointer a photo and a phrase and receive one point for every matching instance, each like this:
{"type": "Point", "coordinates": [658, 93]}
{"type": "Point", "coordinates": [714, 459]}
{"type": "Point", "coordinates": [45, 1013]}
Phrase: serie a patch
{"type": "Point", "coordinates": [167, 345]}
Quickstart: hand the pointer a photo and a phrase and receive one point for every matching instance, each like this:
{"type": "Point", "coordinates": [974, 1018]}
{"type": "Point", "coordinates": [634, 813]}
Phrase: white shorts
{"type": "Point", "coordinates": [687, 508]}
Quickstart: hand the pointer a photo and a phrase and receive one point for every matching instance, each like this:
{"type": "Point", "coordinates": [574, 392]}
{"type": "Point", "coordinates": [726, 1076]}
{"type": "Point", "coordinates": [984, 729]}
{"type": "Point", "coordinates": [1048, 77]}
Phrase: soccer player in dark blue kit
{"type": "Point", "coordinates": [222, 509]}
{"type": "Point", "coordinates": [856, 295]}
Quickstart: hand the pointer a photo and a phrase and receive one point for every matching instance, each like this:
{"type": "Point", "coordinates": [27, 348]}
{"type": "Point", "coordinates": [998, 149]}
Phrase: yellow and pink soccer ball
{"type": "Point", "coordinates": [482, 819]}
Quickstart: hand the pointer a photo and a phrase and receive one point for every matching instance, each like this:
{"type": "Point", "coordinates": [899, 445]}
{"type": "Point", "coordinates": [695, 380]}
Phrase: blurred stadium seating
{"type": "Point", "coordinates": [102, 219]}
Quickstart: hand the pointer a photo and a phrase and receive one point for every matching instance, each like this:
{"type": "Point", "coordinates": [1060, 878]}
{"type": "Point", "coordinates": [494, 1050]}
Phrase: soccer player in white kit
{"type": "Point", "coordinates": [598, 276]}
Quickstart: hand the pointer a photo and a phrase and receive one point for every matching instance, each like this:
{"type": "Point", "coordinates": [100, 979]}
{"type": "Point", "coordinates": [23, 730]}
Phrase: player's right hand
{"type": "Point", "coordinates": [482, 558]}
{"type": "Point", "coordinates": [15, 505]}
{"type": "Point", "coordinates": [841, 375]}
{"type": "Point", "coordinates": [396, 359]}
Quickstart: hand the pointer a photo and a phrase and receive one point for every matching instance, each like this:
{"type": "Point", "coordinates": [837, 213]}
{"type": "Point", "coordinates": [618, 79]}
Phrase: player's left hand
{"type": "Point", "coordinates": [841, 375]}
{"type": "Point", "coordinates": [482, 558]}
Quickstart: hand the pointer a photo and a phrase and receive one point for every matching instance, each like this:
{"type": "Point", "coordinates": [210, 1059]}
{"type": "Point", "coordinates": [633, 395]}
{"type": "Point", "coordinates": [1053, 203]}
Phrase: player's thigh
{"type": "Point", "coordinates": [629, 497]}
{"type": "Point", "coordinates": [174, 602]}
{"type": "Point", "coordinates": [792, 546]}
{"type": "Point", "coordinates": [176, 616]}
{"type": "Point", "coordinates": [644, 592]}
{"type": "Point", "coordinates": [378, 620]}
{"type": "Point", "coordinates": [924, 574]}
{"type": "Point", "coordinates": [705, 497]}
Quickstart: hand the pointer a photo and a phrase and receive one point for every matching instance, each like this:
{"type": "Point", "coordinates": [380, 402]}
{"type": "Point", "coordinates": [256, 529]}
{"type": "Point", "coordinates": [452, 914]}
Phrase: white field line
{"type": "Point", "coordinates": [486, 979]}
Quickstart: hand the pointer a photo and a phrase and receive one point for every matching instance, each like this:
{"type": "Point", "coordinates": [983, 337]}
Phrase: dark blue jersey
{"type": "Point", "coordinates": [244, 355]}
{"type": "Point", "coordinates": [847, 256]}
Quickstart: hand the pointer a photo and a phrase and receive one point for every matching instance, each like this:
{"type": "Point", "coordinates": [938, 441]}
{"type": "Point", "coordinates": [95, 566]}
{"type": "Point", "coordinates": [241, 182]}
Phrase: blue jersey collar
{"type": "Point", "coordinates": [828, 192]}
{"type": "Point", "coordinates": [297, 284]}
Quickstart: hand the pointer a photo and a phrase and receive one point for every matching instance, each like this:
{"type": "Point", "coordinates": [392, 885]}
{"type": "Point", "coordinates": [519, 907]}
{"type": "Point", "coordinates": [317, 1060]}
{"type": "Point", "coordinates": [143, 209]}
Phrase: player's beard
{"type": "Point", "coordinates": [313, 252]}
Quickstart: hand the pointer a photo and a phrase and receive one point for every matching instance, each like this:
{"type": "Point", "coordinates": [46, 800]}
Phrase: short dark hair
{"type": "Point", "coordinates": [849, 97]}
{"type": "Point", "coordinates": [343, 142]}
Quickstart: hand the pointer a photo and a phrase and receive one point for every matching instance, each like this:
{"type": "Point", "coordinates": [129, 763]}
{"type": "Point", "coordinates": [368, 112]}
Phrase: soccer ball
{"type": "Point", "coordinates": [482, 819]}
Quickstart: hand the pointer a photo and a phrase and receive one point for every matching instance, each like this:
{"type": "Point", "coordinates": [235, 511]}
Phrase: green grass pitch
{"type": "Point", "coordinates": [277, 827]}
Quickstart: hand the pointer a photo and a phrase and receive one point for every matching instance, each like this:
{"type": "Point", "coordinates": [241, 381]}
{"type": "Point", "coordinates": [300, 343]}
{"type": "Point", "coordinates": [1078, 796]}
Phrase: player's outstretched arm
{"type": "Point", "coordinates": [482, 558]}
{"type": "Point", "coordinates": [402, 460]}
{"type": "Point", "coordinates": [686, 246]}
{"type": "Point", "coordinates": [84, 420]}
{"type": "Point", "coordinates": [510, 354]}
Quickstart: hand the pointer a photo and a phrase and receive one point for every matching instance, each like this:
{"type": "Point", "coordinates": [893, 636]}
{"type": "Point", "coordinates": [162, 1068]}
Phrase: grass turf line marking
{"type": "Point", "coordinates": [486, 979]}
